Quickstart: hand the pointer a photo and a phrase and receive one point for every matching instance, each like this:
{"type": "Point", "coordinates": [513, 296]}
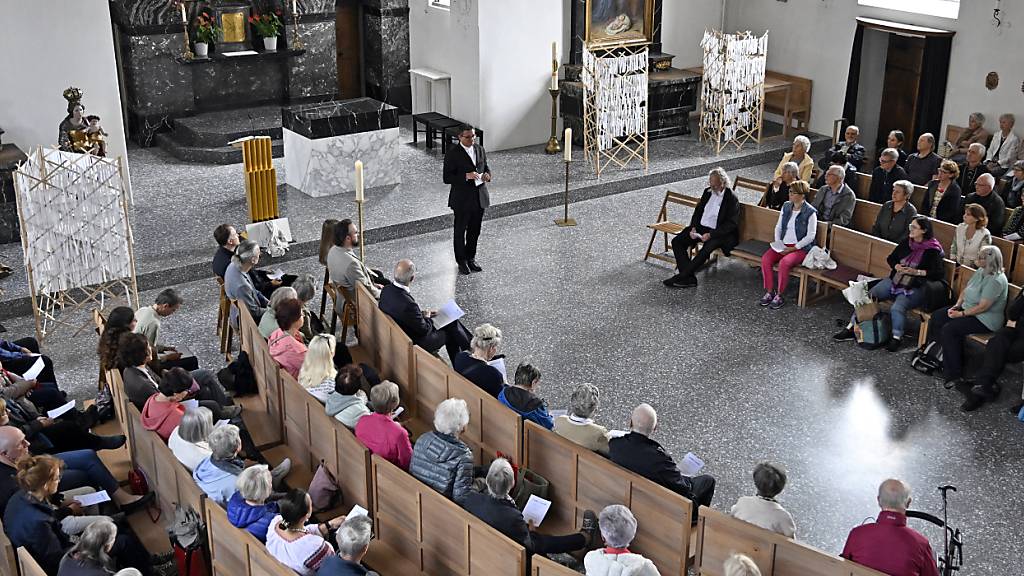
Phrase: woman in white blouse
{"type": "Point", "coordinates": [300, 546]}
{"type": "Point", "coordinates": [188, 441]}
{"type": "Point", "coordinates": [762, 510]}
{"type": "Point", "coordinates": [971, 235]}
{"type": "Point", "coordinates": [318, 371]}
{"type": "Point", "coordinates": [794, 235]}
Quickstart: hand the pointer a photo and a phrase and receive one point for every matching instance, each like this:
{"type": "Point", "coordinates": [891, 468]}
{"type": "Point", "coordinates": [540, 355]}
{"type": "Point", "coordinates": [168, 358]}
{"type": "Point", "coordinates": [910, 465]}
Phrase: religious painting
{"type": "Point", "coordinates": [617, 22]}
{"type": "Point", "coordinates": [233, 20]}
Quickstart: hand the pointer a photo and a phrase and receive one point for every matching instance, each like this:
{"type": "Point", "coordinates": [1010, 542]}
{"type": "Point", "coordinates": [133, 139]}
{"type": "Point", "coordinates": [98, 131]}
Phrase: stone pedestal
{"type": "Point", "coordinates": [323, 141]}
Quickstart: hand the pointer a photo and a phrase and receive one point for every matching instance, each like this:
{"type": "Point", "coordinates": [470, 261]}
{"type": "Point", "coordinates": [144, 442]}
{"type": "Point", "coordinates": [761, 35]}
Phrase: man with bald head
{"type": "Point", "coordinates": [397, 302]}
{"type": "Point", "coordinates": [639, 453]}
{"type": "Point", "coordinates": [889, 545]}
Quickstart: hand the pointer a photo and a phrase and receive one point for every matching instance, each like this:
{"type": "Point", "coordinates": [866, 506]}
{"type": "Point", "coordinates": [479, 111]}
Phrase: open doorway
{"type": "Point", "coordinates": [897, 81]}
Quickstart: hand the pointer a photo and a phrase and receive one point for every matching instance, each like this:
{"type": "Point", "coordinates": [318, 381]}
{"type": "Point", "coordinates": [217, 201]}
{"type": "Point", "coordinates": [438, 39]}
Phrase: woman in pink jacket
{"type": "Point", "coordinates": [286, 344]}
{"type": "Point", "coordinates": [379, 432]}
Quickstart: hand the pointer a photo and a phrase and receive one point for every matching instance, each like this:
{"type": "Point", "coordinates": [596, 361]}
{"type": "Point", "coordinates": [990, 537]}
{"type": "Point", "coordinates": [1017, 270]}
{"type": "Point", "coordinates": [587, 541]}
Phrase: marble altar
{"type": "Point", "coordinates": [323, 141]}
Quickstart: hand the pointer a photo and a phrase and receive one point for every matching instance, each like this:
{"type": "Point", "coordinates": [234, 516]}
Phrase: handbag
{"type": "Point", "coordinates": [874, 333]}
{"type": "Point", "coordinates": [138, 484]}
{"type": "Point", "coordinates": [529, 483]}
{"type": "Point", "coordinates": [188, 537]}
{"type": "Point", "coordinates": [324, 490]}
{"type": "Point", "coordinates": [928, 358]}
{"type": "Point", "coordinates": [104, 405]}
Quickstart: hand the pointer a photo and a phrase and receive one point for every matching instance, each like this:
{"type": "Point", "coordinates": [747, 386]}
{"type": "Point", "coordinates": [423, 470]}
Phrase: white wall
{"type": "Point", "coordinates": [515, 70]}
{"type": "Point", "coordinates": [449, 40]}
{"type": "Point", "coordinates": [814, 38]}
{"type": "Point", "coordinates": [683, 23]}
{"type": "Point", "coordinates": [48, 46]}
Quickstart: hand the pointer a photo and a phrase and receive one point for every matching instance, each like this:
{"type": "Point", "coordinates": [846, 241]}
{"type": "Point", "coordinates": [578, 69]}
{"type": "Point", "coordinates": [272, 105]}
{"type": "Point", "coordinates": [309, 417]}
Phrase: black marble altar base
{"type": "Point", "coordinates": [339, 117]}
{"type": "Point", "coordinates": [672, 96]}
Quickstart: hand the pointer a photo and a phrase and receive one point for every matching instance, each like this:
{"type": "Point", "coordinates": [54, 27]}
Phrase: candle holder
{"type": "Point", "coordinates": [565, 220]}
{"type": "Point", "coordinates": [297, 41]}
{"type": "Point", "coordinates": [359, 209]}
{"type": "Point", "coordinates": [186, 53]}
{"type": "Point", "coordinates": [553, 147]}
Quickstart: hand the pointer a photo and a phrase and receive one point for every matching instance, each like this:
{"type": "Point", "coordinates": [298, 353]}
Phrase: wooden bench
{"type": "Point", "coordinates": [855, 253]}
{"type": "Point", "coordinates": [264, 415]}
{"type": "Point", "coordinates": [790, 97]}
{"type": "Point", "coordinates": [27, 565]}
{"type": "Point", "coordinates": [582, 480]}
{"type": "Point", "coordinates": [1012, 291]}
{"type": "Point", "coordinates": [863, 190]}
{"type": "Point", "coordinates": [864, 216]}
{"type": "Point", "coordinates": [541, 566]}
{"type": "Point", "coordinates": [668, 227]}
{"type": "Point", "coordinates": [8, 555]}
{"type": "Point", "coordinates": [419, 531]}
{"type": "Point", "coordinates": [171, 481]}
{"type": "Point", "coordinates": [1017, 275]}
{"type": "Point", "coordinates": [719, 536]}
{"type": "Point", "coordinates": [753, 185]}
{"type": "Point", "coordinates": [236, 552]}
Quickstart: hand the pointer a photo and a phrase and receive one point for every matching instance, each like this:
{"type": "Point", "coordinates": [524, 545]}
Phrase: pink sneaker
{"type": "Point", "coordinates": [767, 298]}
{"type": "Point", "coordinates": [777, 302]}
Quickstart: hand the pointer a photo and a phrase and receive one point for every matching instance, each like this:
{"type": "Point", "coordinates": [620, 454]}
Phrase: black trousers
{"type": "Point", "coordinates": [1006, 347]}
{"type": "Point", "coordinates": [454, 337]}
{"type": "Point", "coordinates": [189, 363]}
{"type": "Point", "coordinates": [20, 365]}
{"type": "Point", "coordinates": [702, 490]}
{"type": "Point", "coordinates": [467, 232]}
{"type": "Point", "coordinates": [681, 245]}
{"type": "Point", "coordinates": [950, 333]}
{"type": "Point", "coordinates": [548, 544]}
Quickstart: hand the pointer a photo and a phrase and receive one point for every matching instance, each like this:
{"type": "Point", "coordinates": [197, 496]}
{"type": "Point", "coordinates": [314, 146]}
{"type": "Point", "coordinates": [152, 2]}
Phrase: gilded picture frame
{"type": "Point", "coordinates": [618, 23]}
{"type": "Point", "coordinates": [233, 21]}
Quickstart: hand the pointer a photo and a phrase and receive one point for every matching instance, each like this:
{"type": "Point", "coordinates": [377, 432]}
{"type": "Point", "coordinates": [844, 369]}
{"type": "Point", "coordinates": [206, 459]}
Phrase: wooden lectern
{"type": "Point", "coordinates": [260, 177]}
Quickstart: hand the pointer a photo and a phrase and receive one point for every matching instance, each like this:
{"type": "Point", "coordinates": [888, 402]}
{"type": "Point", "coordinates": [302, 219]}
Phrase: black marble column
{"type": "Point", "coordinates": [386, 52]}
{"type": "Point", "coordinates": [315, 73]}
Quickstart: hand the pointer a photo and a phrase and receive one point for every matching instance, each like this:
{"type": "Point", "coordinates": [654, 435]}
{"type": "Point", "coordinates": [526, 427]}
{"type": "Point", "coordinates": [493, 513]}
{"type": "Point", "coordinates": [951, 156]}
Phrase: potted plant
{"type": "Point", "coordinates": [206, 32]}
{"type": "Point", "coordinates": [268, 26]}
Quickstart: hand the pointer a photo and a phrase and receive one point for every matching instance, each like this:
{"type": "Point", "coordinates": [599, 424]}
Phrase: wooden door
{"type": "Point", "coordinates": [903, 66]}
{"type": "Point", "coordinates": [349, 48]}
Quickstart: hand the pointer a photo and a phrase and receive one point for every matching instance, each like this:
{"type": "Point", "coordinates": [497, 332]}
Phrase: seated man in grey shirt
{"type": "Point", "coordinates": [835, 200]}
{"type": "Point", "coordinates": [345, 267]}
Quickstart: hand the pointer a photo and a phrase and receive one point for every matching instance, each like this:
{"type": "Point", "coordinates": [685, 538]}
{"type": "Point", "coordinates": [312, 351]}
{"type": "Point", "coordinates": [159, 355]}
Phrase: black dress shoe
{"type": "Point", "coordinates": [670, 281]}
{"type": "Point", "coordinates": [972, 403]}
{"type": "Point", "coordinates": [463, 268]}
{"type": "Point", "coordinates": [686, 282]}
{"type": "Point", "coordinates": [474, 266]}
{"type": "Point", "coordinates": [986, 392]}
{"type": "Point", "coordinates": [111, 442]}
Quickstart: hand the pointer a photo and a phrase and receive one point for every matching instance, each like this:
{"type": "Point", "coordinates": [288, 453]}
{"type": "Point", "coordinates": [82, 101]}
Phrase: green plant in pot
{"type": "Point", "coordinates": [206, 32]}
{"type": "Point", "coordinates": [268, 26]}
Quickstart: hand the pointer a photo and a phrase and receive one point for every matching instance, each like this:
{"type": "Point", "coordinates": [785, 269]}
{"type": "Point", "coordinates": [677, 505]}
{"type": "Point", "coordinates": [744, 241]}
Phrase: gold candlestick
{"type": "Point", "coordinates": [187, 52]}
{"type": "Point", "coordinates": [297, 41]}
{"type": "Point", "coordinates": [553, 147]}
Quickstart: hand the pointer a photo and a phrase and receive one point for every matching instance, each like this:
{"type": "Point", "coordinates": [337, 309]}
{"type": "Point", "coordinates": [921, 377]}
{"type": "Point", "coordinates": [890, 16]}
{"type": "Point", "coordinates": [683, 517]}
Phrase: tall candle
{"type": "Point", "coordinates": [184, 18]}
{"type": "Point", "coordinates": [295, 7]}
{"type": "Point", "coordinates": [567, 145]}
{"type": "Point", "coordinates": [554, 81]}
{"type": "Point", "coordinates": [359, 181]}
{"type": "Point", "coordinates": [554, 51]}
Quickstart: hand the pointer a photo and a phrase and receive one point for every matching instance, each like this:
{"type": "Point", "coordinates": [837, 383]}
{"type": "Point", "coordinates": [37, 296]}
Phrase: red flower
{"type": "Point", "coordinates": [252, 20]}
{"type": "Point", "coordinates": [278, 12]}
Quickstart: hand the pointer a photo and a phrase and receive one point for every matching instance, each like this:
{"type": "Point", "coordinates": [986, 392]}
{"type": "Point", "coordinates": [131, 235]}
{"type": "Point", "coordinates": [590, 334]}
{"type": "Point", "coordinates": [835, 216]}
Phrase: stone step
{"type": "Point", "coordinates": [215, 129]}
{"type": "Point", "coordinates": [209, 154]}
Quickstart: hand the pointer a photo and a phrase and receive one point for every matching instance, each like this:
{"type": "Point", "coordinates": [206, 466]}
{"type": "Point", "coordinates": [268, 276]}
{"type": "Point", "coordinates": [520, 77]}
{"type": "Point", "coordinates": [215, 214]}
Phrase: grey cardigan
{"type": "Point", "coordinates": [842, 210]}
{"type": "Point", "coordinates": [893, 227]}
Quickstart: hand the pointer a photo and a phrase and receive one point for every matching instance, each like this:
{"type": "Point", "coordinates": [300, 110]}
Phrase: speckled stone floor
{"type": "Point", "coordinates": [733, 382]}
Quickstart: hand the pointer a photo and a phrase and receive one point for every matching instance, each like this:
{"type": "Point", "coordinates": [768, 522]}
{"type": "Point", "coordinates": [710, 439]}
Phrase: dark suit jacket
{"type": "Point", "coordinates": [465, 194]}
{"type": "Point", "coordinates": [137, 387]}
{"type": "Point", "coordinates": [502, 515]}
{"type": "Point", "coordinates": [949, 204]}
{"type": "Point", "coordinates": [403, 309]}
{"type": "Point", "coordinates": [647, 458]}
{"type": "Point", "coordinates": [854, 155]}
{"type": "Point", "coordinates": [728, 227]}
{"type": "Point", "coordinates": [882, 181]}
{"type": "Point", "coordinates": [994, 207]}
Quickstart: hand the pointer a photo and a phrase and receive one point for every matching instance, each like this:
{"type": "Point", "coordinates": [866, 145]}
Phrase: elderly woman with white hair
{"type": "Point", "coordinates": [188, 440]}
{"type": "Point", "coordinates": [499, 511]}
{"type": "Point", "coordinates": [379, 432]}
{"type": "Point", "coordinates": [439, 459]}
{"type": "Point", "coordinates": [305, 290]}
{"type": "Point", "coordinates": [578, 425]}
{"type": "Point", "coordinates": [248, 508]}
{"type": "Point", "coordinates": [474, 364]}
{"type": "Point", "coordinates": [800, 155]}
{"type": "Point", "coordinates": [740, 565]}
{"type": "Point", "coordinates": [777, 192]}
{"type": "Point", "coordinates": [318, 372]}
{"type": "Point", "coordinates": [217, 474]}
{"type": "Point", "coordinates": [618, 528]}
{"type": "Point", "coordinates": [978, 310]}
{"type": "Point", "coordinates": [268, 323]}
{"type": "Point", "coordinates": [893, 220]}
{"type": "Point", "coordinates": [91, 555]}
{"type": "Point", "coordinates": [238, 285]}
{"type": "Point", "coordinates": [353, 539]}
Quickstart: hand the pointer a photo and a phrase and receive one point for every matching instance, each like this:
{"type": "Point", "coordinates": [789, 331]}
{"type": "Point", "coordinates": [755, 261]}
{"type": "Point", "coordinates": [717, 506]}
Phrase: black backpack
{"type": "Point", "coordinates": [239, 376]}
{"type": "Point", "coordinates": [928, 358]}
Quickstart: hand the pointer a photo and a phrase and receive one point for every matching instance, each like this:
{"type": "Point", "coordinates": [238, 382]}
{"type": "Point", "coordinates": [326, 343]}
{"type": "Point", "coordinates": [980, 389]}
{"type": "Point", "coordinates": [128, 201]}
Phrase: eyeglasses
{"type": "Point", "coordinates": [467, 136]}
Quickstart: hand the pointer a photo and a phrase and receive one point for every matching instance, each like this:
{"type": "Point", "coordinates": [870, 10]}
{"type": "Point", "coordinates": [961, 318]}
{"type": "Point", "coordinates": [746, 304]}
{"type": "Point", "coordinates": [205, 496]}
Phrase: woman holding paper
{"type": "Point", "coordinates": [794, 235]}
{"type": "Point", "coordinates": [54, 435]}
{"type": "Point", "coordinates": [33, 521]}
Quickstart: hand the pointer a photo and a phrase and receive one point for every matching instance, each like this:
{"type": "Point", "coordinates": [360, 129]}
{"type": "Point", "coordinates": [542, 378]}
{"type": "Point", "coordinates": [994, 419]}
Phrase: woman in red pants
{"type": "Point", "coordinates": [794, 235]}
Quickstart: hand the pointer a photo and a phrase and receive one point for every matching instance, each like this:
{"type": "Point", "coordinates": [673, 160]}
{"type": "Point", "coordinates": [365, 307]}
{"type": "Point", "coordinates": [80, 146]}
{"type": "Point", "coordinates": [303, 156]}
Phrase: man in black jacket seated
{"type": "Point", "coordinates": [887, 173]}
{"type": "Point", "coordinates": [715, 222]}
{"type": "Point", "coordinates": [227, 240]}
{"type": "Point", "coordinates": [849, 146]}
{"type": "Point", "coordinates": [496, 508]}
{"type": "Point", "coordinates": [397, 302]}
{"type": "Point", "coordinates": [991, 202]}
{"type": "Point", "coordinates": [638, 453]}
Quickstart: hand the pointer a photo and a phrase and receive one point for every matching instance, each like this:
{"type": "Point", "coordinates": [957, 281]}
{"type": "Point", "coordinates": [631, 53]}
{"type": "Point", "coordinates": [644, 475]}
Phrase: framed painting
{"type": "Point", "coordinates": [619, 22]}
{"type": "Point", "coordinates": [233, 21]}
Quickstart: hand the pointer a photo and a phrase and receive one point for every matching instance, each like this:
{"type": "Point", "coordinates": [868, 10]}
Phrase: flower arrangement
{"type": "Point", "coordinates": [268, 25]}
{"type": "Point", "coordinates": [206, 29]}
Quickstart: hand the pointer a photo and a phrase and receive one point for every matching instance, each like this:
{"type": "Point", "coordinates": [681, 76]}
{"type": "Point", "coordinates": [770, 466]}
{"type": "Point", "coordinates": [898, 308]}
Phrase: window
{"type": "Point", "coordinates": [443, 4]}
{"type": "Point", "coordinates": [940, 8]}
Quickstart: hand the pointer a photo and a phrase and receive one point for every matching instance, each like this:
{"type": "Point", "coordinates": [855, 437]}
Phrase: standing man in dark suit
{"type": "Point", "coordinates": [397, 302]}
{"type": "Point", "coordinates": [465, 168]}
{"type": "Point", "coordinates": [715, 222]}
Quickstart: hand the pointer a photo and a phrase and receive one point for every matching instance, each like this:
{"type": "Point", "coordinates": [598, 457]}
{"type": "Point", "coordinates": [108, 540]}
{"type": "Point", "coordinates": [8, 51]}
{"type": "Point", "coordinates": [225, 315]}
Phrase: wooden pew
{"type": "Point", "coordinates": [917, 198]}
{"type": "Point", "coordinates": [581, 480]}
{"type": "Point", "coordinates": [1012, 291]}
{"type": "Point", "coordinates": [235, 552]}
{"type": "Point", "coordinates": [8, 555]}
{"type": "Point", "coordinates": [395, 354]}
{"type": "Point", "coordinates": [120, 401]}
{"type": "Point", "coordinates": [719, 536]}
{"type": "Point", "coordinates": [366, 312]}
{"type": "Point", "coordinates": [944, 232]}
{"type": "Point", "coordinates": [864, 216]}
{"type": "Point", "coordinates": [27, 565]}
{"type": "Point", "coordinates": [863, 190]}
{"type": "Point", "coordinates": [265, 417]}
{"type": "Point", "coordinates": [924, 317]}
{"type": "Point", "coordinates": [1008, 249]}
{"type": "Point", "coordinates": [1017, 276]}
{"type": "Point", "coordinates": [756, 186]}
{"type": "Point", "coordinates": [493, 427]}
{"type": "Point", "coordinates": [171, 481]}
{"type": "Point", "coordinates": [541, 566]}
{"type": "Point", "coordinates": [421, 532]}
{"type": "Point", "coordinates": [667, 227]}
{"type": "Point", "coordinates": [855, 253]}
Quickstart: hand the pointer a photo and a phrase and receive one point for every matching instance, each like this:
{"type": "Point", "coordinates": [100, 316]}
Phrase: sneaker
{"type": "Point", "coordinates": [767, 298]}
{"type": "Point", "coordinates": [777, 302]}
{"type": "Point", "coordinates": [279, 472]}
{"type": "Point", "coordinates": [591, 530]}
{"type": "Point", "coordinates": [894, 344]}
{"type": "Point", "coordinates": [844, 335]}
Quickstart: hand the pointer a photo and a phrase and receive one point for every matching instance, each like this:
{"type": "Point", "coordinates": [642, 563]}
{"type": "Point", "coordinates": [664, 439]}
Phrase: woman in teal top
{"type": "Point", "coordinates": [978, 310]}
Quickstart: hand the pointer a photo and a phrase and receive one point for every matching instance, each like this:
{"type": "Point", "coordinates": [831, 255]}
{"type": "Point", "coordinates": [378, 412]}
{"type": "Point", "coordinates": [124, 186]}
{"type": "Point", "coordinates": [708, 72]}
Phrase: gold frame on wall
{"type": "Point", "coordinates": [646, 36]}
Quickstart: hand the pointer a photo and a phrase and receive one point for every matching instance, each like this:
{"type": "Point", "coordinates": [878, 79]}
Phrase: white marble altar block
{"type": "Point", "coordinates": [326, 166]}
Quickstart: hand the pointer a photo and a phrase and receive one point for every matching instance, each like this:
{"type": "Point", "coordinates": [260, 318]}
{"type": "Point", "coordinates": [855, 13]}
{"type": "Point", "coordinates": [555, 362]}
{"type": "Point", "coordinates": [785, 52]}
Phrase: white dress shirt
{"type": "Point", "coordinates": [472, 156]}
{"type": "Point", "coordinates": [710, 217]}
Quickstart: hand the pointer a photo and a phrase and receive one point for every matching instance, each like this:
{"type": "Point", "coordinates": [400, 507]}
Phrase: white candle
{"type": "Point", "coordinates": [567, 145]}
{"type": "Point", "coordinates": [295, 7]}
{"type": "Point", "coordinates": [554, 51]}
{"type": "Point", "coordinates": [359, 181]}
{"type": "Point", "coordinates": [184, 18]}
{"type": "Point", "coordinates": [554, 81]}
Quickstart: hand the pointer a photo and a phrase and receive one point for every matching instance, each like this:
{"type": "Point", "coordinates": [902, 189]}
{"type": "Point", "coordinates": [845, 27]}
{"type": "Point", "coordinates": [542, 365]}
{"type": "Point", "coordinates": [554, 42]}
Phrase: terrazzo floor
{"type": "Point", "coordinates": [733, 382]}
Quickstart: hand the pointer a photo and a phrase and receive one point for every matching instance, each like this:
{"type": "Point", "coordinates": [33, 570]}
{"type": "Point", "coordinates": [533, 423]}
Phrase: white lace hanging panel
{"type": "Point", "coordinates": [732, 88]}
{"type": "Point", "coordinates": [619, 88]}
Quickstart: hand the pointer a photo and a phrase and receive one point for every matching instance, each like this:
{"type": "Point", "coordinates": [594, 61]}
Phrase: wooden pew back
{"type": "Point", "coordinates": [27, 565]}
{"type": "Point", "coordinates": [944, 232]}
{"type": "Point", "coordinates": [8, 555]}
{"type": "Point", "coordinates": [1007, 248]}
{"type": "Point", "coordinates": [235, 552]}
{"type": "Point", "coordinates": [366, 312]}
{"type": "Point", "coordinates": [864, 216]}
{"type": "Point", "coordinates": [541, 566]}
{"type": "Point", "coordinates": [396, 356]}
{"type": "Point", "coordinates": [419, 530]}
{"type": "Point", "coordinates": [918, 196]}
{"type": "Point", "coordinates": [268, 379]}
{"type": "Point", "coordinates": [171, 481]}
{"type": "Point", "coordinates": [117, 395]}
{"type": "Point", "coordinates": [581, 480]}
{"type": "Point", "coordinates": [757, 222]}
{"type": "Point", "coordinates": [1017, 275]}
{"type": "Point", "coordinates": [863, 190]}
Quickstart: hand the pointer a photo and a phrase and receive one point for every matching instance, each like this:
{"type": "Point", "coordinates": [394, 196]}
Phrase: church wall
{"type": "Point", "coordinates": [683, 24]}
{"type": "Point", "coordinates": [449, 41]}
{"type": "Point", "coordinates": [57, 44]}
{"type": "Point", "coordinates": [813, 38]}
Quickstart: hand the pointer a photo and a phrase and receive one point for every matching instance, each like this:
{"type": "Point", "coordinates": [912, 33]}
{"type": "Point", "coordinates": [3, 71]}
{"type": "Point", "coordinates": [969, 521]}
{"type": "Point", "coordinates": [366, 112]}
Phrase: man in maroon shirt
{"type": "Point", "coordinates": [888, 545]}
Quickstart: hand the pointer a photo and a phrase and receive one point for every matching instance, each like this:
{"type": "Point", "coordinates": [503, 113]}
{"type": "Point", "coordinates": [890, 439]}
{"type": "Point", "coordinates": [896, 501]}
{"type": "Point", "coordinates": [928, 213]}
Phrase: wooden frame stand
{"type": "Point", "coordinates": [615, 105]}
{"type": "Point", "coordinates": [732, 91]}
